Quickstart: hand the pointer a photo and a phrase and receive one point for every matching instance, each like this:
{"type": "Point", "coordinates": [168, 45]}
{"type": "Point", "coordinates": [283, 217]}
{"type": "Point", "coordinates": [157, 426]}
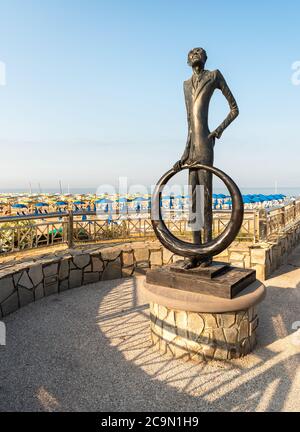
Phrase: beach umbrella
{"type": "Point", "coordinates": [123, 200]}
{"type": "Point", "coordinates": [61, 203]}
{"type": "Point", "coordinates": [222, 196]}
{"type": "Point", "coordinates": [18, 205]}
{"type": "Point", "coordinates": [103, 201]}
{"type": "Point", "coordinates": [41, 204]}
{"type": "Point", "coordinates": [247, 200]}
{"type": "Point", "coordinates": [139, 199]}
{"type": "Point", "coordinates": [78, 202]}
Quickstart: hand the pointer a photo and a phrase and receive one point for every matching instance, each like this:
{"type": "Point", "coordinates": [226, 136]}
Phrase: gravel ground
{"type": "Point", "coordinates": [88, 349]}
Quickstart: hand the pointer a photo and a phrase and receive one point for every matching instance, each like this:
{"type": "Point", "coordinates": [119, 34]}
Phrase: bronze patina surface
{"type": "Point", "coordinates": [198, 91]}
{"type": "Point", "coordinates": [198, 158]}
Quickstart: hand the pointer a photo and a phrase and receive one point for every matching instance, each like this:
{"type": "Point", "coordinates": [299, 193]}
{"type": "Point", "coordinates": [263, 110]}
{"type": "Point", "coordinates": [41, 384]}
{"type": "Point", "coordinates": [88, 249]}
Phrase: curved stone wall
{"type": "Point", "coordinates": [22, 283]}
{"type": "Point", "coordinates": [29, 281]}
{"type": "Point", "coordinates": [203, 336]}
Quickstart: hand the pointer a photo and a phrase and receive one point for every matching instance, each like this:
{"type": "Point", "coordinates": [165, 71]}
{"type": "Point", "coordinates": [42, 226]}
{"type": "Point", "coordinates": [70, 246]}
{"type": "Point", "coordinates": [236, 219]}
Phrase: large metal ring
{"type": "Point", "coordinates": [213, 247]}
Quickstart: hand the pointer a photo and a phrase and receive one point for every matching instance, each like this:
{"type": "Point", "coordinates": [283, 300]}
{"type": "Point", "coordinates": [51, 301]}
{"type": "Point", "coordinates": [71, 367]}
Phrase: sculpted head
{"type": "Point", "coordinates": [197, 57]}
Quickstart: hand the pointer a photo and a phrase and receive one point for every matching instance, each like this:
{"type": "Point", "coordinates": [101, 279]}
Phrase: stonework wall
{"type": "Point", "coordinates": [264, 257]}
{"type": "Point", "coordinates": [28, 281]}
{"type": "Point", "coordinates": [203, 336]}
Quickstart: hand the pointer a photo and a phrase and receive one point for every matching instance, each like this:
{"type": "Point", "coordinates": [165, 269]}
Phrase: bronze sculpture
{"type": "Point", "coordinates": [198, 284]}
{"type": "Point", "coordinates": [198, 91]}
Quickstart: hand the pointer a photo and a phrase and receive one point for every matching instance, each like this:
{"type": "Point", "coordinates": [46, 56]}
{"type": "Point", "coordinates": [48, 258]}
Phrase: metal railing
{"type": "Point", "coordinates": [34, 231]}
{"type": "Point", "coordinates": [98, 230]}
{"type": "Point", "coordinates": [278, 220]}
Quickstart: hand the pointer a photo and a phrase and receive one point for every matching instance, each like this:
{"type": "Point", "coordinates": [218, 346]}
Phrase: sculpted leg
{"type": "Point", "coordinates": [200, 178]}
{"type": "Point", "coordinates": [205, 179]}
{"type": "Point", "coordinates": [194, 217]}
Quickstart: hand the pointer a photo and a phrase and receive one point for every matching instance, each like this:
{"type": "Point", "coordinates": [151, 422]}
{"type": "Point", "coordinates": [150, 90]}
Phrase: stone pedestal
{"type": "Point", "coordinates": [200, 327]}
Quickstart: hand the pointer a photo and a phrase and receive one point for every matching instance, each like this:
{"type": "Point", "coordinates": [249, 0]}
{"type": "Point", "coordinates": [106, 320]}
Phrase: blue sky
{"type": "Point", "coordinates": [94, 89]}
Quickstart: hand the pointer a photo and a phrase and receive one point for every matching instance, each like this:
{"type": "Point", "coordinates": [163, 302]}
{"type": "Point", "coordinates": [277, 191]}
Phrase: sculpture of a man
{"type": "Point", "coordinates": [198, 91]}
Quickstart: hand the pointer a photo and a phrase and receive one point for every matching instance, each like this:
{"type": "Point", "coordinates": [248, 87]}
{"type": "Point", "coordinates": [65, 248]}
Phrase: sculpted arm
{"type": "Point", "coordinates": [234, 110]}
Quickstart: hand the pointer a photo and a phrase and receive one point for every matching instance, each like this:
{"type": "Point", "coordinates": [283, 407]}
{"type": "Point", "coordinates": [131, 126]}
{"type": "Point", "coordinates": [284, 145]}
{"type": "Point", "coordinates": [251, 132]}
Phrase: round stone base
{"type": "Point", "coordinates": [203, 336]}
{"type": "Point", "coordinates": [200, 327]}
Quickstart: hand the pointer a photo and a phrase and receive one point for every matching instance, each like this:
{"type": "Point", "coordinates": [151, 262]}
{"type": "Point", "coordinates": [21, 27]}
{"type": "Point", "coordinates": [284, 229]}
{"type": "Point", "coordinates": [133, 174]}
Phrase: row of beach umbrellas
{"type": "Point", "coordinates": [223, 199]}
{"type": "Point", "coordinates": [251, 198]}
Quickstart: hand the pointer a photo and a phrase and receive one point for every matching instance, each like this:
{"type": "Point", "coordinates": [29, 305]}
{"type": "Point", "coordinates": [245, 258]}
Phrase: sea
{"type": "Point", "coordinates": [288, 191]}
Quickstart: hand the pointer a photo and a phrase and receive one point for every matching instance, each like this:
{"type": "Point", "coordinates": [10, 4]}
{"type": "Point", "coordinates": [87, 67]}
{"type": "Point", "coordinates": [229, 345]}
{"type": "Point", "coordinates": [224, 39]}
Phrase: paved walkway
{"type": "Point", "coordinates": [89, 349]}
